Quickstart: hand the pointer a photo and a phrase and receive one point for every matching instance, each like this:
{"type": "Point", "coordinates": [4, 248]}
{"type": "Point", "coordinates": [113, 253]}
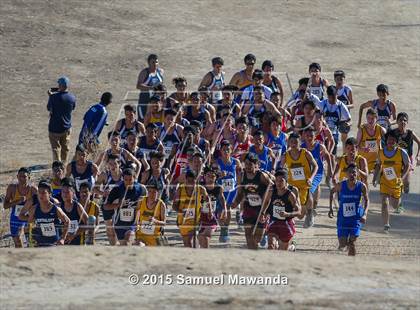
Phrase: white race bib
{"type": "Point", "coordinates": [79, 182]}
{"type": "Point", "coordinates": [73, 227]}
{"type": "Point", "coordinates": [276, 212]}
{"type": "Point", "coordinates": [167, 150]}
{"type": "Point", "coordinates": [126, 214]}
{"type": "Point", "coordinates": [189, 213]}
{"type": "Point", "coordinates": [205, 208]}
{"type": "Point", "coordinates": [147, 228]}
{"type": "Point", "coordinates": [228, 185]}
{"type": "Point", "coordinates": [389, 173]}
{"type": "Point", "coordinates": [349, 209]}
{"type": "Point", "coordinates": [298, 174]}
{"type": "Point", "coordinates": [18, 208]}
{"type": "Point", "coordinates": [47, 229]}
{"type": "Point", "coordinates": [371, 145]}
{"type": "Point", "coordinates": [254, 200]}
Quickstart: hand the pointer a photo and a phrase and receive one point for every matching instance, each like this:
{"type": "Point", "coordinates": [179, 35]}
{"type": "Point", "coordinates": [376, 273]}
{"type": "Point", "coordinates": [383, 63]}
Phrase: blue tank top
{"type": "Point", "coordinates": [217, 83]}
{"type": "Point", "coordinates": [350, 210]}
{"type": "Point", "coordinates": [45, 231]}
{"type": "Point", "coordinates": [154, 79]}
{"type": "Point", "coordinates": [169, 140]}
{"type": "Point", "coordinates": [146, 149]}
{"type": "Point", "coordinates": [265, 162]}
{"type": "Point", "coordinates": [189, 116]}
{"type": "Point", "coordinates": [229, 181]}
{"type": "Point", "coordinates": [125, 215]}
{"type": "Point", "coordinates": [74, 217]}
{"type": "Point", "coordinates": [316, 153]}
{"type": "Point", "coordinates": [85, 177]}
{"type": "Point", "coordinates": [277, 144]}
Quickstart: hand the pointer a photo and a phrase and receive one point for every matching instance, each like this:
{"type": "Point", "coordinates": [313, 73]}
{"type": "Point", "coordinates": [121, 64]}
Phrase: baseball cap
{"type": "Point", "coordinates": [63, 81]}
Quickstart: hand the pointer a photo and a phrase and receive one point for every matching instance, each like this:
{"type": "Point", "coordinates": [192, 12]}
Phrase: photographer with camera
{"type": "Point", "coordinates": [61, 104]}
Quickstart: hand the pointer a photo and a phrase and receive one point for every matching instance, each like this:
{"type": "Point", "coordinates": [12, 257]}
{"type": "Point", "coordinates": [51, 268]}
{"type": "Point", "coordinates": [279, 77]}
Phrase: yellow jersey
{"type": "Point", "coordinates": [157, 120]}
{"type": "Point", "coordinates": [342, 166]}
{"type": "Point", "coordinates": [146, 228]}
{"type": "Point", "coordinates": [372, 143]}
{"type": "Point", "coordinates": [189, 210]}
{"type": "Point", "coordinates": [391, 172]}
{"type": "Point", "coordinates": [299, 169]}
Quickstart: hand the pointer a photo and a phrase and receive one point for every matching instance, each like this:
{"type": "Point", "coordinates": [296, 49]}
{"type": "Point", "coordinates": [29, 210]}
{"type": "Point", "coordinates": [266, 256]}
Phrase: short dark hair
{"type": "Point", "coordinates": [112, 134]}
{"type": "Point", "coordinates": [401, 115]}
{"type": "Point", "coordinates": [371, 111]}
{"type": "Point", "coordinates": [331, 90]}
{"type": "Point", "coordinates": [382, 88]}
{"type": "Point", "coordinates": [303, 81]}
{"type": "Point", "coordinates": [267, 63]}
{"type": "Point", "coordinates": [57, 164]}
{"type": "Point", "coordinates": [351, 141]}
{"type": "Point", "coordinates": [129, 107]}
{"type": "Point", "coordinates": [314, 65]}
{"type": "Point", "coordinates": [249, 57]}
{"type": "Point", "coordinates": [85, 185]}
{"type": "Point", "coordinates": [45, 185]}
{"type": "Point", "coordinates": [281, 173]}
{"type": "Point", "coordinates": [339, 73]}
{"type": "Point", "coordinates": [106, 98]}
{"type": "Point", "coordinates": [258, 74]}
{"type": "Point", "coordinates": [217, 61]}
{"type": "Point", "coordinates": [252, 158]}
{"type": "Point", "coordinates": [241, 120]}
{"type": "Point", "coordinates": [68, 182]}
{"type": "Point", "coordinates": [152, 57]}
{"type": "Point", "coordinates": [169, 112]}
{"type": "Point", "coordinates": [24, 170]}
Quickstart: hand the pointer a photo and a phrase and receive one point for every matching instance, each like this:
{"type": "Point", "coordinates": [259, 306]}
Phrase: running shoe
{"type": "Point", "coordinates": [263, 242]}
{"type": "Point", "coordinates": [399, 210]}
{"type": "Point", "coordinates": [387, 228]}
{"type": "Point", "coordinates": [292, 246]}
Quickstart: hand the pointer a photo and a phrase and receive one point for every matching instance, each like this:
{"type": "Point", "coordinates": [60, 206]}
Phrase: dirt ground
{"type": "Point", "coordinates": [102, 45]}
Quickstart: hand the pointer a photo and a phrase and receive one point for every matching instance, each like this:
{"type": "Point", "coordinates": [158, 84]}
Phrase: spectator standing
{"type": "Point", "coordinates": [61, 104]}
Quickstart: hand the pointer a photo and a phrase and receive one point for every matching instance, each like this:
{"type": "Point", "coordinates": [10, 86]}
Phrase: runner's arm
{"type": "Point", "coordinates": [327, 157]}
{"type": "Point", "coordinates": [416, 139]}
{"type": "Point", "coordinates": [406, 164]}
{"type": "Point", "coordinates": [206, 81]}
{"type": "Point", "coordinates": [364, 170]}
{"type": "Point", "coordinates": [313, 164]}
{"type": "Point", "coordinates": [235, 79]}
{"type": "Point", "coordinates": [376, 173]}
{"type": "Point", "coordinates": [8, 200]}
{"type": "Point", "coordinates": [141, 79]}
{"type": "Point", "coordinates": [365, 105]}
{"type": "Point", "coordinates": [66, 221]}
{"type": "Point", "coordinates": [351, 104]}
{"type": "Point", "coordinates": [266, 203]}
{"type": "Point", "coordinates": [366, 201]}
{"type": "Point", "coordinates": [296, 207]}
{"type": "Point", "coordinates": [238, 198]}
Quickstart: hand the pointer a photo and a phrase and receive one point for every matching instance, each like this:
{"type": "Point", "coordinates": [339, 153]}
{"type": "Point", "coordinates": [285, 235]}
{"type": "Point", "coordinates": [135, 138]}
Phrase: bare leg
{"type": "Point", "coordinates": [110, 232]}
{"type": "Point", "coordinates": [352, 246]}
{"type": "Point", "coordinates": [272, 242]}
{"type": "Point", "coordinates": [385, 209]}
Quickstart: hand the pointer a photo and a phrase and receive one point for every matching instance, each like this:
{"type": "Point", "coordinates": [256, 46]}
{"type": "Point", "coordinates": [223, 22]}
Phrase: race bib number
{"type": "Point", "coordinates": [167, 150]}
{"type": "Point", "coordinates": [298, 174]}
{"type": "Point", "coordinates": [254, 200]}
{"type": "Point", "coordinates": [349, 209]}
{"type": "Point", "coordinates": [189, 213]}
{"type": "Point", "coordinates": [126, 215]}
{"type": "Point", "coordinates": [205, 208]}
{"type": "Point", "coordinates": [47, 229]}
{"type": "Point", "coordinates": [276, 212]}
{"type": "Point", "coordinates": [389, 173]}
{"type": "Point", "coordinates": [18, 208]}
{"type": "Point", "coordinates": [372, 146]}
{"type": "Point", "coordinates": [147, 228]}
{"type": "Point", "coordinates": [228, 185]}
{"type": "Point", "coordinates": [73, 227]}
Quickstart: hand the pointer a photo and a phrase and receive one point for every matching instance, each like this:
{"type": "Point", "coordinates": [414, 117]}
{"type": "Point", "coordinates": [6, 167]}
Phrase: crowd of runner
{"type": "Point", "coordinates": [227, 152]}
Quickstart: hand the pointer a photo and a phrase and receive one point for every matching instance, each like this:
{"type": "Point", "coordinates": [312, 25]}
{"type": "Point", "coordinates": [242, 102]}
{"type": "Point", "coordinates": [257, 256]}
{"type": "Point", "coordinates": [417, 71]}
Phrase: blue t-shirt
{"type": "Point", "coordinates": [94, 121]}
{"type": "Point", "coordinates": [60, 105]}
